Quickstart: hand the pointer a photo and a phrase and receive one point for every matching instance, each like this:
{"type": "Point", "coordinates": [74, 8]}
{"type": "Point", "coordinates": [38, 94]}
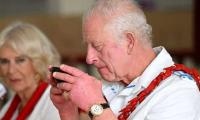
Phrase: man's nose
{"type": "Point", "coordinates": [91, 57]}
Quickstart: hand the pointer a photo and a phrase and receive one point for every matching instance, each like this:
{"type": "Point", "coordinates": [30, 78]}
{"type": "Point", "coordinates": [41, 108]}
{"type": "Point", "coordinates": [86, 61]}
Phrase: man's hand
{"type": "Point", "coordinates": [67, 109]}
{"type": "Point", "coordinates": [83, 89]}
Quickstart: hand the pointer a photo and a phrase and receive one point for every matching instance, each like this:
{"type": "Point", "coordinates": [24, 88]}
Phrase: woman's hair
{"type": "Point", "coordinates": [122, 16]}
{"type": "Point", "coordinates": [28, 40]}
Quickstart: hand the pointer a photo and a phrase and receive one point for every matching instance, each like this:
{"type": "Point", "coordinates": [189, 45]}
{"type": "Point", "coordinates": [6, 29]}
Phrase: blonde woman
{"type": "Point", "coordinates": [25, 53]}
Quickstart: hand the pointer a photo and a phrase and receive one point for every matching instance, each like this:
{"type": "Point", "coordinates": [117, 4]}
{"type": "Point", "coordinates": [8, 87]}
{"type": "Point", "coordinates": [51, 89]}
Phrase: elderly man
{"type": "Point", "coordinates": [141, 82]}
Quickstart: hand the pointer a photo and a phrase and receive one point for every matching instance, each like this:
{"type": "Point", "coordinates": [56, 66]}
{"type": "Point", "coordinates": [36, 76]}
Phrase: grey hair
{"type": "Point", "coordinates": [132, 22]}
{"type": "Point", "coordinates": [122, 16]}
{"type": "Point", "coordinates": [28, 40]}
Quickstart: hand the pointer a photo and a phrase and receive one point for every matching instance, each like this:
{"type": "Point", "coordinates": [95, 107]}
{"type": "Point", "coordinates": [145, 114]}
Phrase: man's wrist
{"type": "Point", "coordinates": [97, 109]}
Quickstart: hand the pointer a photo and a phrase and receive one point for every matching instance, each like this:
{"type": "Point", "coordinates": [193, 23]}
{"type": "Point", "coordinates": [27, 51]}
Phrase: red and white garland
{"type": "Point", "coordinates": [125, 112]}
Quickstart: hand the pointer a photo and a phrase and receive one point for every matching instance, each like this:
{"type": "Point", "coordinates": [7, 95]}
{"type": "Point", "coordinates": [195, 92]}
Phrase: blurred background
{"type": "Point", "coordinates": [175, 25]}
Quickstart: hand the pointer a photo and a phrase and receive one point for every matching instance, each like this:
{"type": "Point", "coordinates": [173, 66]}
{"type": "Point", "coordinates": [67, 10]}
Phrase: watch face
{"type": "Point", "coordinates": [96, 110]}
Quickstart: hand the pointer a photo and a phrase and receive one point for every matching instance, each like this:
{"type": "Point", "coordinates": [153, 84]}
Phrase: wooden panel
{"type": "Point", "coordinates": [197, 28]}
{"type": "Point", "coordinates": [173, 29]}
{"type": "Point", "coordinates": [64, 32]}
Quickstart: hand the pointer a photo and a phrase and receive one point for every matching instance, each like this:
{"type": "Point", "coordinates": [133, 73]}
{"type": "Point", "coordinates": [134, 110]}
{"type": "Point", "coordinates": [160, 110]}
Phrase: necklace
{"type": "Point", "coordinates": [125, 112]}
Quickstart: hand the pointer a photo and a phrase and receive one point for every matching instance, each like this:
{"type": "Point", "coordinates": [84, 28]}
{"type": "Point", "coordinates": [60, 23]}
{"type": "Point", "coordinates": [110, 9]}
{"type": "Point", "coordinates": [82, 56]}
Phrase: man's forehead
{"type": "Point", "coordinates": [93, 29]}
{"type": "Point", "coordinates": [91, 34]}
{"type": "Point", "coordinates": [93, 22]}
{"type": "Point", "coordinates": [90, 39]}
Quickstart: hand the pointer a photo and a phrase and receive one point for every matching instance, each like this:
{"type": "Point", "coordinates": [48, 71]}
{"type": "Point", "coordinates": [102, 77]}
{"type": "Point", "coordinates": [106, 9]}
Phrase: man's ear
{"type": "Point", "coordinates": [130, 41]}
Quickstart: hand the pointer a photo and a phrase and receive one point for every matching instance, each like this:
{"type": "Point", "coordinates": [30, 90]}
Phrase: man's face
{"type": "Point", "coordinates": [103, 51]}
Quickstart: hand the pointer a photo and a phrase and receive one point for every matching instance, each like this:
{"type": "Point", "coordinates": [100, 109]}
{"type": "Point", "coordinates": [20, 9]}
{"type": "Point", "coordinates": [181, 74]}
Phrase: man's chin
{"type": "Point", "coordinates": [106, 74]}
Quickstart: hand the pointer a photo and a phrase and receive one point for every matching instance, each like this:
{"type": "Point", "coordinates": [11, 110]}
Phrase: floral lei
{"type": "Point", "coordinates": [125, 112]}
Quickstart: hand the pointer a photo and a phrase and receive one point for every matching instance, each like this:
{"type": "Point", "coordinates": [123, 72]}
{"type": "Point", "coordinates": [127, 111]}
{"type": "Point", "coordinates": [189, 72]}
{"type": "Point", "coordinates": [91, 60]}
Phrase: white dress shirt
{"type": "Point", "coordinates": [176, 98]}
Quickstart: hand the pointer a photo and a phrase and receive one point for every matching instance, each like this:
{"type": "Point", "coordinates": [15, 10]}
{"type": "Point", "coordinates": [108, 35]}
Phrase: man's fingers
{"type": "Point", "coordinates": [51, 81]}
{"type": "Point", "coordinates": [66, 95]}
{"type": "Point", "coordinates": [55, 90]}
{"type": "Point", "coordinates": [64, 86]}
{"type": "Point", "coordinates": [71, 70]}
{"type": "Point", "coordinates": [63, 77]}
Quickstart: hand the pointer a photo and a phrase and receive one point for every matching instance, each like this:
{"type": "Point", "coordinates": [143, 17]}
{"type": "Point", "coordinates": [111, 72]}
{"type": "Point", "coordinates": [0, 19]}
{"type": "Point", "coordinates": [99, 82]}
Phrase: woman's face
{"type": "Point", "coordinates": [17, 70]}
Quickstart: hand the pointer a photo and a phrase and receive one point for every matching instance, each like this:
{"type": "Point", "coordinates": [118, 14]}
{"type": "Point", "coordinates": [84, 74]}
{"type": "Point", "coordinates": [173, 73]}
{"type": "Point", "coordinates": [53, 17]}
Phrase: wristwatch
{"type": "Point", "coordinates": [97, 109]}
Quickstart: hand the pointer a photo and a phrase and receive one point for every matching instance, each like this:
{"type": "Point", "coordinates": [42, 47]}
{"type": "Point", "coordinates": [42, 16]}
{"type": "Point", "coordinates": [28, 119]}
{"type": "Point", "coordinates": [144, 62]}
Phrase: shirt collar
{"type": "Point", "coordinates": [162, 60]}
{"type": "Point", "coordinates": [133, 87]}
{"type": "Point", "coordinates": [111, 89]}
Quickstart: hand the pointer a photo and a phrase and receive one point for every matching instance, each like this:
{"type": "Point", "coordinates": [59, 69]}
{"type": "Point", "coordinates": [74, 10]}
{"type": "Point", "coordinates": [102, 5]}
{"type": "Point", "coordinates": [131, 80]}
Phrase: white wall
{"type": "Point", "coordinates": [68, 7]}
